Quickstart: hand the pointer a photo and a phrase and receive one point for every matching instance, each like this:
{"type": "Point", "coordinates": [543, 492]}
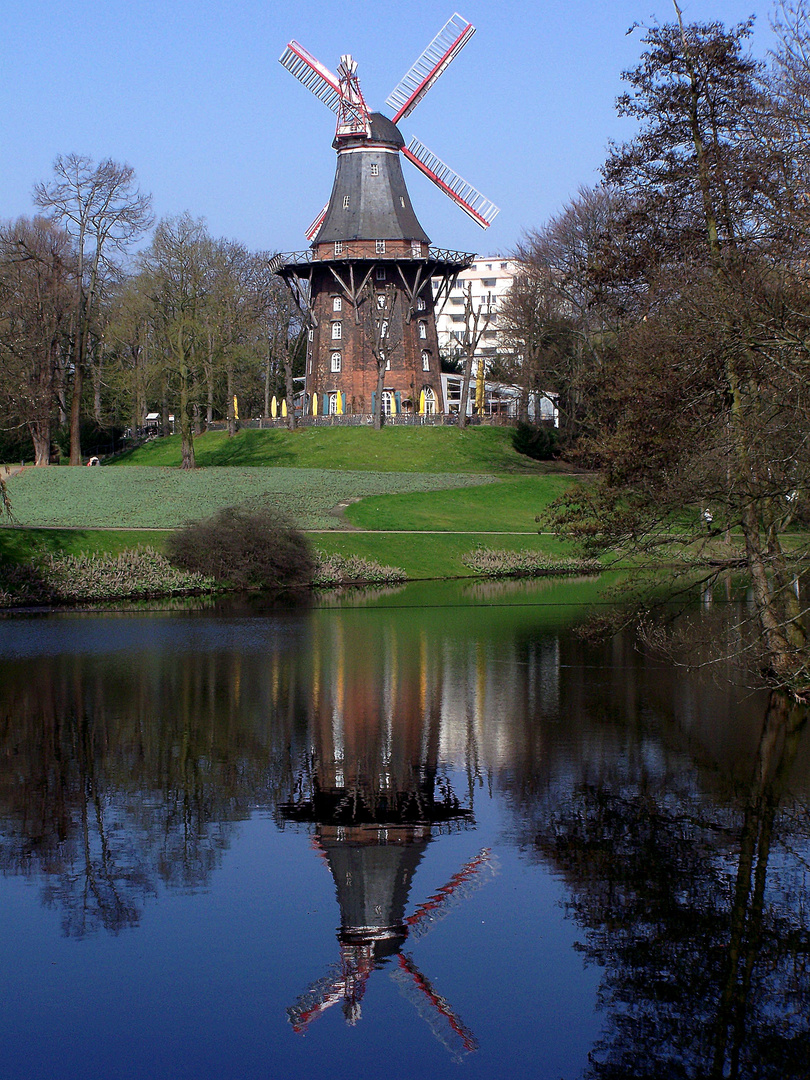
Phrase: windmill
{"type": "Point", "coordinates": [368, 249]}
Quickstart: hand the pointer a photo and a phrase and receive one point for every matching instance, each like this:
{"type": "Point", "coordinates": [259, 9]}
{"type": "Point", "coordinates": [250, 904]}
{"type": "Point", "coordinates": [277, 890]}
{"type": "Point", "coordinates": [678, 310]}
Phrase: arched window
{"type": "Point", "coordinates": [335, 358]}
{"type": "Point", "coordinates": [430, 401]}
{"type": "Point", "coordinates": [333, 398]}
{"type": "Point", "coordinates": [425, 360]}
{"type": "Point", "coordinates": [423, 330]}
{"type": "Point", "coordinates": [388, 405]}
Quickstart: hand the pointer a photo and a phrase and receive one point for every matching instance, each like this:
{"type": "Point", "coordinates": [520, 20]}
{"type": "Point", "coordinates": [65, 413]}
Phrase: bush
{"type": "Point", "coordinates": [495, 562]}
{"type": "Point", "coordinates": [538, 441]}
{"type": "Point", "coordinates": [75, 579]}
{"type": "Point", "coordinates": [340, 570]}
{"type": "Point", "coordinates": [248, 549]}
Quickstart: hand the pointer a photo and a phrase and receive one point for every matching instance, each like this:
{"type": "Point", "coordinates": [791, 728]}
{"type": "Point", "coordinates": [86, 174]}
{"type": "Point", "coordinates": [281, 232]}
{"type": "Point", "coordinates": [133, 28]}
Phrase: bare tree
{"type": "Point", "coordinates": [103, 211]}
{"type": "Point", "coordinates": [383, 334]}
{"type": "Point", "coordinates": [477, 318]}
{"type": "Point", "coordinates": [34, 316]}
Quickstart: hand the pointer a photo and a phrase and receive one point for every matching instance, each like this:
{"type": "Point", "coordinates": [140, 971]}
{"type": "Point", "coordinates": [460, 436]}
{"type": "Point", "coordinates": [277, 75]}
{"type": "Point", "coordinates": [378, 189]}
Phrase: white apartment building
{"type": "Point", "coordinates": [491, 277]}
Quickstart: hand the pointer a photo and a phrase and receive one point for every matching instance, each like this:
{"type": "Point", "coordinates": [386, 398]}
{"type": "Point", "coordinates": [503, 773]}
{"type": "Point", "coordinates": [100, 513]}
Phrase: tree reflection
{"type": "Point", "coordinates": [697, 915]}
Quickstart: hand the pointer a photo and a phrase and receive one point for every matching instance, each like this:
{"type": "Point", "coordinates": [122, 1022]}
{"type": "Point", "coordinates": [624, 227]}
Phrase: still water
{"type": "Point", "coordinates": [420, 833]}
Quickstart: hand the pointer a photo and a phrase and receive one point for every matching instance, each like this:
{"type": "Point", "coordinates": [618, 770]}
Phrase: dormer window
{"type": "Point", "coordinates": [402, 201]}
{"type": "Point", "coordinates": [345, 202]}
{"type": "Point", "coordinates": [375, 168]}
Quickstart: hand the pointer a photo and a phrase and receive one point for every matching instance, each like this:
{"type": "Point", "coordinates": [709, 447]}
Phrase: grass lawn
{"type": "Point", "coordinates": [153, 498]}
{"type": "Point", "coordinates": [428, 556]}
{"type": "Point", "coordinates": [478, 449]}
{"type": "Point", "coordinates": [508, 506]}
{"type": "Point", "coordinates": [18, 545]}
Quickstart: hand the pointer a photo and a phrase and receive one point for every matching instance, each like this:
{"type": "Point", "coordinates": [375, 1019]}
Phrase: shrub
{"type": "Point", "coordinates": [247, 548]}
{"type": "Point", "coordinates": [73, 579]}
{"type": "Point", "coordinates": [496, 562]}
{"type": "Point", "coordinates": [538, 441]}
{"type": "Point", "coordinates": [339, 570]}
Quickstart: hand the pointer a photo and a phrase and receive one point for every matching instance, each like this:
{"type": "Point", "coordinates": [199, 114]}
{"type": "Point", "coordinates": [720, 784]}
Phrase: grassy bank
{"type": "Point", "coordinates": [393, 449]}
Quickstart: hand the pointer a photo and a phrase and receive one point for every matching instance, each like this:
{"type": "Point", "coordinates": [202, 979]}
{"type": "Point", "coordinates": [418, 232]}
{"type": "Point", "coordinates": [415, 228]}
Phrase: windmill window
{"type": "Point", "coordinates": [379, 273]}
{"type": "Point", "coordinates": [423, 330]}
{"type": "Point", "coordinates": [375, 169]}
{"type": "Point", "coordinates": [337, 303]}
{"type": "Point", "coordinates": [311, 335]}
{"type": "Point", "coordinates": [420, 303]}
{"type": "Point", "coordinates": [416, 249]}
{"type": "Point", "coordinates": [384, 329]}
{"type": "Point", "coordinates": [380, 300]}
{"type": "Point", "coordinates": [337, 331]}
{"type": "Point", "coordinates": [380, 247]}
{"type": "Point", "coordinates": [338, 247]}
{"type": "Point", "coordinates": [425, 360]}
{"type": "Point", "coordinates": [345, 202]}
{"type": "Point", "coordinates": [335, 358]}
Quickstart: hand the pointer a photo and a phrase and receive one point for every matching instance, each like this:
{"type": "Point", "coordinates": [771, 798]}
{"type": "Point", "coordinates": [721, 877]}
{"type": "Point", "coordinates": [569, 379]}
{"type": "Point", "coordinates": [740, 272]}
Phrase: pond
{"type": "Point", "coordinates": [422, 832]}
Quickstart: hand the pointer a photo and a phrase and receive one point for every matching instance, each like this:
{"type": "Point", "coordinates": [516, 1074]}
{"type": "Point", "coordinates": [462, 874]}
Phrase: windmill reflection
{"type": "Point", "coordinates": [372, 830]}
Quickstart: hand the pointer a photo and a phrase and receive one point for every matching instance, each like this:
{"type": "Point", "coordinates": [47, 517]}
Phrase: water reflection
{"type": "Point", "coordinates": [673, 811]}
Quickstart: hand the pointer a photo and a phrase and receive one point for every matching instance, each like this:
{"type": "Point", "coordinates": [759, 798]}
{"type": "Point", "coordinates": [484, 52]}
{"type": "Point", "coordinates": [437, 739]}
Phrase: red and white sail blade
{"type": "Point", "coordinates": [315, 227]}
{"type": "Point", "coordinates": [447, 44]}
{"type": "Point", "coordinates": [313, 74]}
{"type": "Point", "coordinates": [472, 202]}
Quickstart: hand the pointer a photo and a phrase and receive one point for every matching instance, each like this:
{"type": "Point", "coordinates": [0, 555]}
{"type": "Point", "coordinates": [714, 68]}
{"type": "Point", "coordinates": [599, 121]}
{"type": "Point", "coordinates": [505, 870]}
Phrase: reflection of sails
{"type": "Point", "coordinates": [377, 797]}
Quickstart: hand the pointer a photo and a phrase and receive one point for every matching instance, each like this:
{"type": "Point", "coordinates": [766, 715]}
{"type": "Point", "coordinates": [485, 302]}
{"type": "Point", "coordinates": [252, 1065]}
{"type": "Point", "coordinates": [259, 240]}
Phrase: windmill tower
{"type": "Point", "coordinates": [365, 282]}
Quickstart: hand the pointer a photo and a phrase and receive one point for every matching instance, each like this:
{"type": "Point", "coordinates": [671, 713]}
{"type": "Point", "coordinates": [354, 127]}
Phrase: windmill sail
{"type": "Point", "coordinates": [449, 41]}
{"type": "Point", "coordinates": [472, 202]}
{"type": "Point", "coordinates": [313, 74]}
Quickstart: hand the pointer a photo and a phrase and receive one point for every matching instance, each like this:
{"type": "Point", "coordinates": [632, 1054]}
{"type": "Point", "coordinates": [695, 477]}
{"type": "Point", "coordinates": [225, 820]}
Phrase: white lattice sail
{"type": "Point", "coordinates": [472, 202]}
{"type": "Point", "coordinates": [413, 86]}
{"type": "Point", "coordinates": [313, 74]}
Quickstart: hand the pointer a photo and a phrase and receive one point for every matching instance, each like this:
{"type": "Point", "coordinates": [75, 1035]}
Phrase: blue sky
{"type": "Point", "coordinates": [191, 94]}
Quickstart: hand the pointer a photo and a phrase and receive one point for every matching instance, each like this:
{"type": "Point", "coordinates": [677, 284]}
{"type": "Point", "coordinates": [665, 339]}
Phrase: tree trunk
{"type": "Point", "coordinates": [186, 432]}
{"type": "Point", "coordinates": [41, 438]}
{"type": "Point", "coordinates": [465, 389]}
{"type": "Point", "coordinates": [76, 416]}
{"type": "Point", "coordinates": [231, 409]}
{"type": "Point", "coordinates": [289, 392]}
{"type": "Point", "coordinates": [378, 409]}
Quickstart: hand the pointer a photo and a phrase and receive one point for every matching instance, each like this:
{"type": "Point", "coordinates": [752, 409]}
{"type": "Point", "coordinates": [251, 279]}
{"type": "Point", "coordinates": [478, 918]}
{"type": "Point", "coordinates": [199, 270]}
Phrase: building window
{"type": "Point", "coordinates": [375, 168]}
{"type": "Point", "coordinates": [416, 249]}
{"type": "Point", "coordinates": [425, 360]}
{"type": "Point", "coordinates": [420, 303]}
{"type": "Point", "coordinates": [488, 282]}
{"type": "Point", "coordinates": [345, 202]}
{"type": "Point", "coordinates": [380, 247]}
{"type": "Point", "coordinates": [379, 273]}
{"type": "Point", "coordinates": [423, 330]}
{"type": "Point", "coordinates": [504, 266]}
{"type": "Point", "coordinates": [335, 364]}
{"type": "Point", "coordinates": [337, 303]}
{"type": "Point", "coordinates": [338, 247]}
{"type": "Point", "coordinates": [388, 403]}
{"type": "Point", "coordinates": [337, 331]}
